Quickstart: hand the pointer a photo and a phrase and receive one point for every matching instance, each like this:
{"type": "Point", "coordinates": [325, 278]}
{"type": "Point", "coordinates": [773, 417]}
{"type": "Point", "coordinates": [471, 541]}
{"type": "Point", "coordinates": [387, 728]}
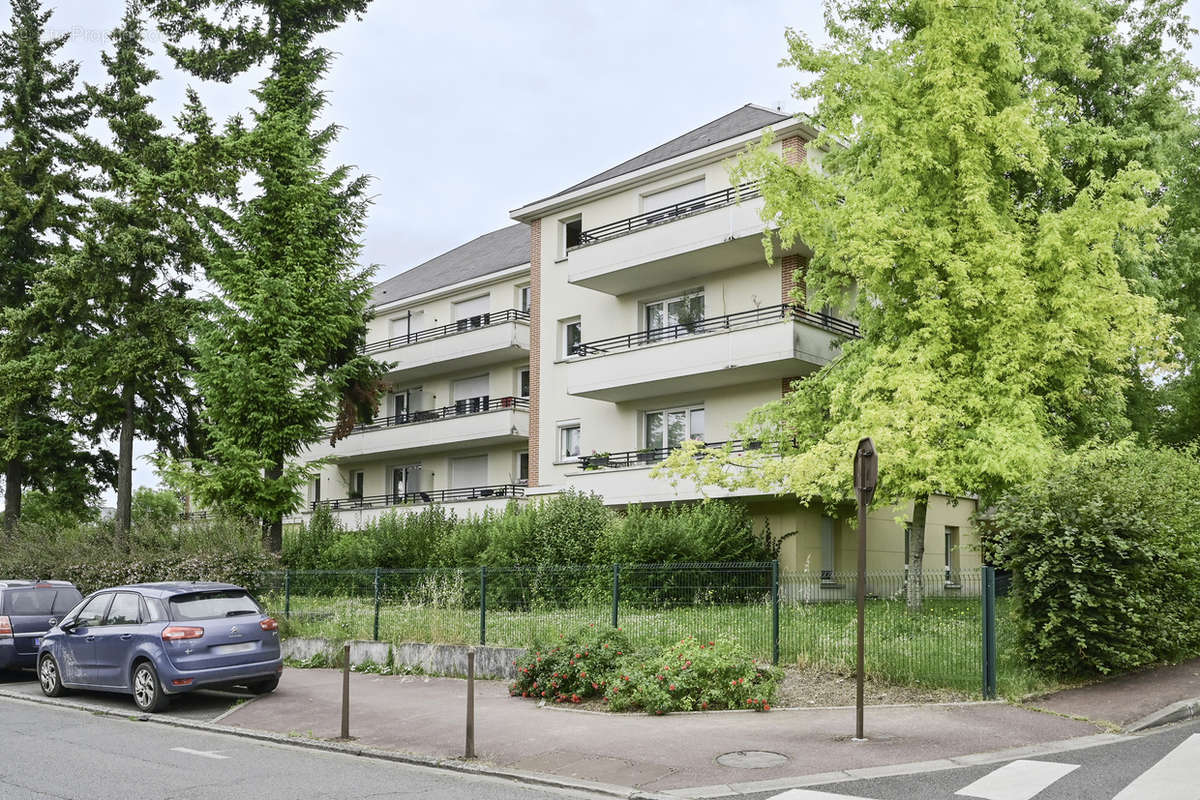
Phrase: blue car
{"type": "Point", "coordinates": [153, 640]}
{"type": "Point", "coordinates": [28, 609]}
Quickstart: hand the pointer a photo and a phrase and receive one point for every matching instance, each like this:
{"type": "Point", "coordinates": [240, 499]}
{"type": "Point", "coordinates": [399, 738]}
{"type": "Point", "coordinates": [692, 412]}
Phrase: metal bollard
{"type": "Point", "coordinates": [470, 703]}
{"type": "Point", "coordinates": [346, 692]}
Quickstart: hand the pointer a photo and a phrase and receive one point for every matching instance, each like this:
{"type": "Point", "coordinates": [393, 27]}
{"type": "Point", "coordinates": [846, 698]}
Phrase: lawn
{"type": "Point", "coordinates": [940, 647]}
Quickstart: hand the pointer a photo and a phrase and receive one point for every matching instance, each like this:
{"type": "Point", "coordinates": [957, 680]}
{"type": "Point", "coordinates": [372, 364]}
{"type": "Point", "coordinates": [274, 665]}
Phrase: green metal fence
{"type": "Point", "coordinates": [799, 618]}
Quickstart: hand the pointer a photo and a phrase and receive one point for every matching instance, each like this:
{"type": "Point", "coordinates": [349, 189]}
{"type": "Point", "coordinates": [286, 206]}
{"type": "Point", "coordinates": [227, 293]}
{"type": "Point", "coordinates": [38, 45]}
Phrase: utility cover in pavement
{"type": "Point", "coordinates": [752, 759]}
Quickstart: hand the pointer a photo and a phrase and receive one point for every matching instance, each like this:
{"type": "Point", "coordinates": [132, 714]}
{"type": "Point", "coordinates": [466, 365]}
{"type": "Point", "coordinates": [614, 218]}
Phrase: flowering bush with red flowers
{"type": "Point", "coordinates": [572, 667]}
{"type": "Point", "coordinates": [693, 675]}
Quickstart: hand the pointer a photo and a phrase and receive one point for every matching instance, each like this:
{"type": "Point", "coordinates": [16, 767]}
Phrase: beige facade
{"type": "Point", "coordinates": [644, 313]}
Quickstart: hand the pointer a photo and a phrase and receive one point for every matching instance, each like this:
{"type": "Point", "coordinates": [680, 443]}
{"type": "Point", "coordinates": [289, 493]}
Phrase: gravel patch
{"type": "Point", "coordinates": [812, 687]}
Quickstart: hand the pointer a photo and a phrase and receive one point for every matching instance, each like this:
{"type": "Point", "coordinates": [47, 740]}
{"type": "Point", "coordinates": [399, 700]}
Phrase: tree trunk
{"type": "Point", "coordinates": [14, 476]}
{"type": "Point", "coordinates": [273, 528]}
{"type": "Point", "coordinates": [916, 555]}
{"type": "Point", "coordinates": [124, 514]}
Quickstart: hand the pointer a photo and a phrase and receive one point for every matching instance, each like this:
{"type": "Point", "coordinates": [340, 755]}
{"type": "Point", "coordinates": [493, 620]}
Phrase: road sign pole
{"type": "Point", "coordinates": [866, 477]}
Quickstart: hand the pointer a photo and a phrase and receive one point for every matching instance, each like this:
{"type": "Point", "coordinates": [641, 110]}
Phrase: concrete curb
{"type": "Point", "coordinates": [346, 748]}
{"type": "Point", "coordinates": [1176, 712]}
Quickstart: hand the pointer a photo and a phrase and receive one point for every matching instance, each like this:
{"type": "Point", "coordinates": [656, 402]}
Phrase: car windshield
{"type": "Point", "coordinates": [213, 605]}
{"type": "Point", "coordinates": [40, 601]}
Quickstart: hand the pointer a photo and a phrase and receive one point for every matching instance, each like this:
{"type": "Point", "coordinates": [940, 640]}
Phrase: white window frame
{"type": "Point", "coordinates": [517, 467]}
{"type": "Point", "coordinates": [517, 386]}
{"type": "Point", "coordinates": [562, 232]}
{"type": "Point", "coordinates": [524, 298]}
{"type": "Point", "coordinates": [687, 410]}
{"type": "Point", "coordinates": [564, 325]}
{"type": "Point", "coordinates": [560, 440]}
{"type": "Point", "coordinates": [701, 179]}
{"type": "Point", "coordinates": [685, 295]}
{"type": "Point", "coordinates": [357, 483]}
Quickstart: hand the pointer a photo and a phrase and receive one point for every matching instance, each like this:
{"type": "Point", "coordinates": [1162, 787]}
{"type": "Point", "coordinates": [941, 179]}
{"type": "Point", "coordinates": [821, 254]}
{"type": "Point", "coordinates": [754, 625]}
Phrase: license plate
{"type": "Point", "coordinates": [37, 642]}
{"type": "Point", "coordinates": [241, 647]}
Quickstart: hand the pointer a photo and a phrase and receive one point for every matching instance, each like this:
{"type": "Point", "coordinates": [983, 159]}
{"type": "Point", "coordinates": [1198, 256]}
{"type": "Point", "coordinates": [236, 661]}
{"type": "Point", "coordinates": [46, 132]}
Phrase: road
{"type": "Point", "coordinates": [1163, 764]}
{"type": "Point", "coordinates": [51, 752]}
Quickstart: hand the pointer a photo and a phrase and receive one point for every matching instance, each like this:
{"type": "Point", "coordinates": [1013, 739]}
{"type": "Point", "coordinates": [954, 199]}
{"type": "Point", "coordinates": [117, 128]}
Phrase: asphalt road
{"type": "Point", "coordinates": [1163, 764]}
{"type": "Point", "coordinates": [52, 752]}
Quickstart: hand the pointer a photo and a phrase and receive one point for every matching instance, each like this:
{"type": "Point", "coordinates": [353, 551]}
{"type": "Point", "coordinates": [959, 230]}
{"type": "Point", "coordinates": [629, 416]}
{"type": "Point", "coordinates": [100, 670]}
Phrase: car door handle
{"type": "Point", "coordinates": [126, 637]}
{"type": "Point", "coordinates": [89, 638]}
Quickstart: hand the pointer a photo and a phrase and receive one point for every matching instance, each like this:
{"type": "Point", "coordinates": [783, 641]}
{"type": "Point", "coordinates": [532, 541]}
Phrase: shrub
{"type": "Point", "coordinates": [1105, 559]}
{"type": "Point", "coordinates": [693, 675]}
{"type": "Point", "coordinates": [572, 668]}
{"type": "Point", "coordinates": [714, 530]}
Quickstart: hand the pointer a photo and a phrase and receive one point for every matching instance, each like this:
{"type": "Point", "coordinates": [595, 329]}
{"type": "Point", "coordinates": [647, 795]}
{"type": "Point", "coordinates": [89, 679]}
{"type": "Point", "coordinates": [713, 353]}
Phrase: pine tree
{"type": "Point", "coordinates": [280, 357]}
{"type": "Point", "coordinates": [44, 443]}
{"type": "Point", "coordinates": [130, 277]}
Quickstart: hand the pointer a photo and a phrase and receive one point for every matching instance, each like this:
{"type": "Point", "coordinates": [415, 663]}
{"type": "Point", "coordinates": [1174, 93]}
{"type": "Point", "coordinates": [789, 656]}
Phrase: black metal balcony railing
{"type": "Point", "coordinates": [694, 205]}
{"type": "Point", "coordinates": [714, 325]}
{"type": "Point", "coordinates": [461, 408]}
{"type": "Point", "coordinates": [652, 455]}
{"type": "Point", "coordinates": [430, 496]}
{"type": "Point", "coordinates": [460, 326]}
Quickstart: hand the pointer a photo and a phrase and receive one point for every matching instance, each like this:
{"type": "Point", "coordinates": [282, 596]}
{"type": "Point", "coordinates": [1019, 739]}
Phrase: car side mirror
{"type": "Point", "coordinates": [68, 625]}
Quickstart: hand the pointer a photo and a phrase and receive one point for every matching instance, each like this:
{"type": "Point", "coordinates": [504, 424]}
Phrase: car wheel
{"type": "Point", "coordinates": [49, 678]}
{"type": "Point", "coordinates": [147, 691]}
{"type": "Point", "coordinates": [265, 686]}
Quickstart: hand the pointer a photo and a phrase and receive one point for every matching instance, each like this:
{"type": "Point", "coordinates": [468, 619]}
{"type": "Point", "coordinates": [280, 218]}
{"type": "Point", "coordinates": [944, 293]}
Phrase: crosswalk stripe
{"type": "Point", "coordinates": [1017, 780]}
{"type": "Point", "coordinates": [1174, 777]}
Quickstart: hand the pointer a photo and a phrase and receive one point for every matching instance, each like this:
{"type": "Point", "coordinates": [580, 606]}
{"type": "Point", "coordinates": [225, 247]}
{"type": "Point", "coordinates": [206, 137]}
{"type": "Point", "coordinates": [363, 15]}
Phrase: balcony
{"type": "Point", "coordinates": [475, 422]}
{"type": "Point", "coordinates": [651, 455]}
{"type": "Point", "coordinates": [479, 341]}
{"type": "Point", "coordinates": [670, 244]}
{"type": "Point", "coordinates": [474, 500]}
{"type": "Point", "coordinates": [765, 343]}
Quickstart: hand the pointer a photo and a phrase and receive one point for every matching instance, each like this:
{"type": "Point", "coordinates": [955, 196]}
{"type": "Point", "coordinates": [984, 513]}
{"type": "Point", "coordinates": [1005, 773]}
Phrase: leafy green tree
{"type": "Point", "coordinates": [129, 279]}
{"type": "Point", "coordinates": [279, 358]}
{"type": "Point", "coordinates": [991, 324]}
{"type": "Point", "coordinates": [46, 442]}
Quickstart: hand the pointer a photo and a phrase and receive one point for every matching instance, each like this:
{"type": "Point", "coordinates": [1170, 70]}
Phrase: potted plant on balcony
{"type": "Point", "coordinates": [754, 444]}
{"type": "Point", "coordinates": [646, 455]}
{"type": "Point", "coordinates": [596, 460]}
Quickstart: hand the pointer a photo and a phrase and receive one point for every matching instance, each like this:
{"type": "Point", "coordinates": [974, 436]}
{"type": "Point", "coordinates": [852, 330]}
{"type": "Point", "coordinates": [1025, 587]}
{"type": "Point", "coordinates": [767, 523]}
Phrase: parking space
{"type": "Point", "coordinates": [198, 706]}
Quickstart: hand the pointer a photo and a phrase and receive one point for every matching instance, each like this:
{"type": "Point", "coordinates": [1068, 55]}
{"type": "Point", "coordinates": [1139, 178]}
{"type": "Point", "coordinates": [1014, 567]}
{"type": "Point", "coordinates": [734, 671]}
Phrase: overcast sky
{"type": "Point", "coordinates": [463, 111]}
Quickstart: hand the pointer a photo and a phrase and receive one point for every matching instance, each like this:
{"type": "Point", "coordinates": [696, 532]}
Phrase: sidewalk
{"type": "Point", "coordinates": [426, 716]}
{"type": "Point", "coordinates": [1129, 698]}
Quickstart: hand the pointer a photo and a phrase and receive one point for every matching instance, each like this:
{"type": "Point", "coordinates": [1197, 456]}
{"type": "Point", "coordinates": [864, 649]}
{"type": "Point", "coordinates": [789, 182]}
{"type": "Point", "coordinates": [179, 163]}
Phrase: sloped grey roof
{"type": "Point", "coordinates": [744, 120]}
{"type": "Point", "coordinates": [491, 252]}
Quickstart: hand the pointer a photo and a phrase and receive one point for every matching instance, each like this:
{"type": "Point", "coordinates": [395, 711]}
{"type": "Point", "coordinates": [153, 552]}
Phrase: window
{"type": "Point", "coordinates": [155, 609]}
{"type": "Point", "coordinates": [316, 489]}
{"type": "Point", "coordinates": [468, 472]}
{"type": "Point", "coordinates": [907, 545]}
{"type": "Point", "coordinates": [471, 313]}
{"type": "Point", "coordinates": [522, 468]}
{"type": "Point", "coordinates": [570, 235]}
{"type": "Point", "coordinates": [669, 428]}
{"type": "Point", "coordinates": [951, 554]}
{"type": "Point", "coordinates": [357, 481]}
{"type": "Point", "coordinates": [828, 550]}
{"type": "Point", "coordinates": [404, 404]}
{"type": "Point", "coordinates": [94, 611]}
{"type": "Point", "coordinates": [407, 325]}
{"type": "Point", "coordinates": [524, 298]}
{"type": "Point", "coordinates": [671, 199]}
{"type": "Point", "coordinates": [673, 316]}
{"type": "Point", "coordinates": [470, 395]}
{"type": "Point", "coordinates": [571, 333]}
{"type": "Point", "coordinates": [568, 442]}
{"type": "Point", "coordinates": [126, 609]}
{"type": "Point", "coordinates": [213, 605]}
{"type": "Point", "coordinates": [405, 480]}
{"type": "Point", "coordinates": [523, 383]}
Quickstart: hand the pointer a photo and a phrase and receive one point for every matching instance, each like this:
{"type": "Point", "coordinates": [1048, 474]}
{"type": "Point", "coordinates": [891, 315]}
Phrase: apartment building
{"type": "Point", "coordinates": [643, 313]}
{"type": "Point", "coordinates": [453, 425]}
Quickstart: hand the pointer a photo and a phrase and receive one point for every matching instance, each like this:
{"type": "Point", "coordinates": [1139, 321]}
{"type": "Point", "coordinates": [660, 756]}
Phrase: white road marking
{"type": "Point", "coordinates": [1174, 777]}
{"type": "Point", "coordinates": [201, 753]}
{"type": "Point", "coordinates": [1017, 780]}
{"type": "Point", "coordinates": [809, 794]}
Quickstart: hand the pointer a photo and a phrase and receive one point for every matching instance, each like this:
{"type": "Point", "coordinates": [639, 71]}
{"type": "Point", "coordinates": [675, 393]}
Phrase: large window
{"type": "Point", "coordinates": [671, 427]}
{"type": "Point", "coordinates": [404, 403]}
{"type": "Point", "coordinates": [570, 235]}
{"type": "Point", "coordinates": [524, 298]}
{"type": "Point", "coordinates": [468, 472]}
{"type": "Point", "coordinates": [568, 442]}
{"type": "Point", "coordinates": [405, 480]}
{"type": "Point", "coordinates": [470, 395]}
{"type": "Point", "coordinates": [685, 310]}
{"type": "Point", "coordinates": [357, 481]}
{"type": "Point", "coordinates": [407, 325]}
{"type": "Point", "coordinates": [471, 313]}
{"type": "Point", "coordinates": [571, 333]}
{"type": "Point", "coordinates": [673, 196]}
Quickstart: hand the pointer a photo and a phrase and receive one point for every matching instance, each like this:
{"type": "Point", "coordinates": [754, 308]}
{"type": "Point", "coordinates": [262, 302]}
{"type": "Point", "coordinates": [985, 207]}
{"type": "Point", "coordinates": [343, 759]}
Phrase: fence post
{"type": "Point", "coordinates": [482, 606]}
{"type": "Point", "coordinates": [287, 594]}
{"type": "Point", "coordinates": [346, 691]}
{"type": "Point", "coordinates": [988, 596]}
{"type": "Point", "coordinates": [376, 629]}
{"type": "Point", "coordinates": [775, 611]}
{"type": "Point", "coordinates": [616, 595]}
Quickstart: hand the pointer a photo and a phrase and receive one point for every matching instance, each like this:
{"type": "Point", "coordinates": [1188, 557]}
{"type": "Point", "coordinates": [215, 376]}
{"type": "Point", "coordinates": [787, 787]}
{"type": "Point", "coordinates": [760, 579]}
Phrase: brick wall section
{"type": "Point", "coordinates": [794, 151]}
{"type": "Point", "coordinates": [535, 346]}
{"type": "Point", "coordinates": [787, 384]}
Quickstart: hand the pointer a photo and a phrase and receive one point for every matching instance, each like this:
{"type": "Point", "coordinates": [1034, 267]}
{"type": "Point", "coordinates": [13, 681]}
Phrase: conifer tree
{"type": "Point", "coordinates": [44, 443]}
{"type": "Point", "coordinates": [280, 356]}
{"type": "Point", "coordinates": [128, 281]}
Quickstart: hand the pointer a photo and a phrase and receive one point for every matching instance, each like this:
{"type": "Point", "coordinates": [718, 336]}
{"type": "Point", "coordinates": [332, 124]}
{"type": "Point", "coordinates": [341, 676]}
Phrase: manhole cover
{"type": "Point", "coordinates": [752, 759]}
